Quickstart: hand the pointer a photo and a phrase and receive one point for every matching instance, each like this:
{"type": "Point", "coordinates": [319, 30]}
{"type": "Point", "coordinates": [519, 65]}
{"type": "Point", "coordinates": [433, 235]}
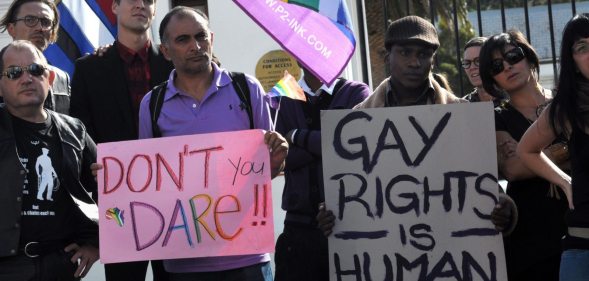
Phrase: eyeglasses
{"type": "Point", "coordinates": [15, 72]}
{"type": "Point", "coordinates": [466, 63]}
{"type": "Point", "coordinates": [31, 21]}
{"type": "Point", "coordinates": [512, 57]}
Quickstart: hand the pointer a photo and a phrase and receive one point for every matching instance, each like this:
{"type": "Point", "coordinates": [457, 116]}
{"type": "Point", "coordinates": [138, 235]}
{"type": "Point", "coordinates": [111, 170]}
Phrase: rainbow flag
{"type": "Point", "coordinates": [317, 32]}
{"type": "Point", "coordinates": [288, 87]}
{"type": "Point", "coordinates": [84, 26]}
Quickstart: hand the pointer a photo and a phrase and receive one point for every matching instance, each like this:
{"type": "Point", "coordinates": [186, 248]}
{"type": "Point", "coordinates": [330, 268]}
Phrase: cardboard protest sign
{"type": "Point", "coordinates": [412, 189]}
{"type": "Point", "coordinates": [188, 196]}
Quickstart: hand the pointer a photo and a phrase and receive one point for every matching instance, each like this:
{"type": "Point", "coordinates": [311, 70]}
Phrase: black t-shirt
{"type": "Point", "coordinates": [541, 225]}
{"type": "Point", "coordinates": [579, 217]}
{"type": "Point", "coordinates": [46, 211]}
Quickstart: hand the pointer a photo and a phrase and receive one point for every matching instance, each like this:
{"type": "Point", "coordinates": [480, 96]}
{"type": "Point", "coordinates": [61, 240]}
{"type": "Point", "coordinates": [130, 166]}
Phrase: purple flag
{"type": "Point", "coordinates": [323, 46]}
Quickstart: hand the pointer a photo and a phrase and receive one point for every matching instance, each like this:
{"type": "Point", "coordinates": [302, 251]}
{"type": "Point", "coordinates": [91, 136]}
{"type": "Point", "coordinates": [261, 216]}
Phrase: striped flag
{"type": "Point", "coordinates": [84, 26]}
{"type": "Point", "coordinates": [288, 87]}
{"type": "Point", "coordinates": [336, 10]}
{"type": "Point", "coordinates": [317, 32]}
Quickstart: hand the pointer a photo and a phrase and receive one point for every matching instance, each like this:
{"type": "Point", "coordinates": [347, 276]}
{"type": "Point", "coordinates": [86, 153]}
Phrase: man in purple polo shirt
{"type": "Point", "coordinates": [200, 98]}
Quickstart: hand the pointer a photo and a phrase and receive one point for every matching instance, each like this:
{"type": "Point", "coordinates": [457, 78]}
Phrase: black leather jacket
{"type": "Point", "coordinates": [58, 99]}
{"type": "Point", "coordinates": [79, 151]}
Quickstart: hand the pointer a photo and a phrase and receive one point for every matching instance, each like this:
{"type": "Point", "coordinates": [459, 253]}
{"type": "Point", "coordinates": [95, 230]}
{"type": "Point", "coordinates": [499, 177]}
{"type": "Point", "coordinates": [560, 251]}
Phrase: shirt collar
{"type": "Point", "coordinates": [427, 95]}
{"type": "Point", "coordinates": [325, 88]}
{"type": "Point", "coordinates": [220, 79]}
{"type": "Point", "coordinates": [127, 54]}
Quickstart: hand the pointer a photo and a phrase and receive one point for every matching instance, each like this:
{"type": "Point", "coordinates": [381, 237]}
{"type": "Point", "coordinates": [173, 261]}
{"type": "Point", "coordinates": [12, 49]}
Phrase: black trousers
{"type": "Point", "coordinates": [301, 254]}
{"type": "Point", "coordinates": [135, 271]}
{"type": "Point", "coordinates": [55, 266]}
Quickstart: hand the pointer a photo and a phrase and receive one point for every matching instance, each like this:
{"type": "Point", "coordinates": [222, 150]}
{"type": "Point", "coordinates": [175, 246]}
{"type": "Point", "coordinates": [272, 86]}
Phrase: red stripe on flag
{"type": "Point", "coordinates": [106, 5]}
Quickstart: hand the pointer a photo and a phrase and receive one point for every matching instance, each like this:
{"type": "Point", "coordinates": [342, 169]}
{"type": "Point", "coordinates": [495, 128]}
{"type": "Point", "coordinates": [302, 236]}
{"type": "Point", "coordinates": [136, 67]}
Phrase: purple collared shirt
{"type": "Point", "coordinates": [219, 111]}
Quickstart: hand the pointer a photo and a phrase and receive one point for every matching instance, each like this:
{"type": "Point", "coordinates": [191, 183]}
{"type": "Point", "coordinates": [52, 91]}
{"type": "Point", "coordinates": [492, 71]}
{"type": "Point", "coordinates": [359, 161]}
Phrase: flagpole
{"type": "Point", "coordinates": [276, 114]}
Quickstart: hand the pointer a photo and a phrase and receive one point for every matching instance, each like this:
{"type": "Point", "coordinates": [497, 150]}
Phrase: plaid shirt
{"type": "Point", "coordinates": [137, 74]}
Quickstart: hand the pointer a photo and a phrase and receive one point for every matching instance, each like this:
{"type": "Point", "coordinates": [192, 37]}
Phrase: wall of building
{"type": "Point", "coordinates": [4, 37]}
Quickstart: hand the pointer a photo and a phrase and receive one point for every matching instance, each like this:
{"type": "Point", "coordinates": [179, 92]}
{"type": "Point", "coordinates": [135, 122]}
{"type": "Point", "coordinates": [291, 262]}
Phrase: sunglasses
{"type": "Point", "coordinates": [31, 21]}
{"type": "Point", "coordinates": [466, 63]}
{"type": "Point", "coordinates": [15, 72]}
{"type": "Point", "coordinates": [512, 57]}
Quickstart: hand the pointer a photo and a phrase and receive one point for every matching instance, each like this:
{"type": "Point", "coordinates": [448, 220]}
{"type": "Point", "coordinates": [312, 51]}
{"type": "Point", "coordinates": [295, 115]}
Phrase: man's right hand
{"type": "Point", "coordinates": [100, 51]}
{"type": "Point", "coordinates": [95, 167]}
{"type": "Point", "coordinates": [325, 220]}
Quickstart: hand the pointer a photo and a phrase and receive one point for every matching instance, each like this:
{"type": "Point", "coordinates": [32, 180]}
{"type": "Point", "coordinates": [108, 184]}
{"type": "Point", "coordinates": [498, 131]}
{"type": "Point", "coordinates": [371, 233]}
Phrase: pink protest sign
{"type": "Point", "coordinates": [322, 45]}
{"type": "Point", "coordinates": [188, 196]}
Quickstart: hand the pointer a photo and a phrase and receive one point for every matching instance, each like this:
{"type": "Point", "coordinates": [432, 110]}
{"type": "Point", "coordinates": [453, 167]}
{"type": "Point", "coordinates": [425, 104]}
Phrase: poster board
{"type": "Point", "coordinates": [412, 189]}
{"type": "Point", "coordinates": [187, 196]}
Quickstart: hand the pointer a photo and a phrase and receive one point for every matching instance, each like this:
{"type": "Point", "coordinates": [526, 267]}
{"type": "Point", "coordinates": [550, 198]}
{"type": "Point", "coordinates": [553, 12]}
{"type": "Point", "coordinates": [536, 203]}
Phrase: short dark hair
{"type": "Point", "coordinates": [180, 11]}
{"type": "Point", "coordinates": [14, 8]}
{"type": "Point", "coordinates": [499, 42]}
{"type": "Point", "coordinates": [475, 42]}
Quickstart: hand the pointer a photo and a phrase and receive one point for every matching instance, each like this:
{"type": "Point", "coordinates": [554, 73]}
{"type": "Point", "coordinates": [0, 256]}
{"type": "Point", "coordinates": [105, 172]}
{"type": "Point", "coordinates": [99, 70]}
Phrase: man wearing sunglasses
{"type": "Point", "coordinates": [43, 237]}
{"type": "Point", "coordinates": [38, 22]}
{"type": "Point", "coordinates": [107, 90]}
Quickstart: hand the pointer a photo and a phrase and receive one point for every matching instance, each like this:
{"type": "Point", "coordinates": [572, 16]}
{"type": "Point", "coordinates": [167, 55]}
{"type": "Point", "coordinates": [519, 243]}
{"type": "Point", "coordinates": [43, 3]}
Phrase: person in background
{"type": "Point", "coordinates": [199, 90]}
{"type": "Point", "coordinates": [38, 22]}
{"type": "Point", "coordinates": [470, 64]}
{"type": "Point", "coordinates": [44, 234]}
{"type": "Point", "coordinates": [567, 115]}
{"type": "Point", "coordinates": [508, 63]}
{"type": "Point", "coordinates": [107, 90]}
{"type": "Point", "coordinates": [301, 249]}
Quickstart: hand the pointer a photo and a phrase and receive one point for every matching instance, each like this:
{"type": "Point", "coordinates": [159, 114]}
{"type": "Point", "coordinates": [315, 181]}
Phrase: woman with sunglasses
{"type": "Point", "coordinates": [510, 65]}
{"type": "Point", "coordinates": [568, 115]}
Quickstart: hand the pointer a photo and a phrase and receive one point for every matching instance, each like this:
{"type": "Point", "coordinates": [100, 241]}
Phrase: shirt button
{"type": "Point", "coordinates": [194, 105]}
{"type": "Point", "coordinates": [18, 199]}
{"type": "Point", "coordinates": [16, 225]}
{"type": "Point", "coordinates": [22, 172]}
{"type": "Point", "coordinates": [13, 251]}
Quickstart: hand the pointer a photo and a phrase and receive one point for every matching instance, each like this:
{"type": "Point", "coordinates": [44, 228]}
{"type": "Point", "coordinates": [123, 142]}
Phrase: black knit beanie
{"type": "Point", "coordinates": [411, 29]}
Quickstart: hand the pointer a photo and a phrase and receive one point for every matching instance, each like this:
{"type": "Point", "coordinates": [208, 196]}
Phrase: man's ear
{"type": "Point", "coordinates": [51, 77]}
{"type": "Point", "coordinates": [113, 7]}
{"type": "Point", "coordinates": [164, 51]}
{"type": "Point", "coordinates": [10, 29]}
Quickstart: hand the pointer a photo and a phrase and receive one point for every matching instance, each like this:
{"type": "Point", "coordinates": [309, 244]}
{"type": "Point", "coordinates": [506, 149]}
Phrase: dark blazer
{"type": "Point", "coordinates": [100, 95]}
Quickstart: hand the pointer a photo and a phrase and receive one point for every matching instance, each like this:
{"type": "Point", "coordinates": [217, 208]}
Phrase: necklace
{"type": "Point", "coordinates": [543, 105]}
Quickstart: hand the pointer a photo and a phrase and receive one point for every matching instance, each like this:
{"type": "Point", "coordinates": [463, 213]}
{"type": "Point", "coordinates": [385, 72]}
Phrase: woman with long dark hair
{"type": "Point", "coordinates": [568, 115]}
{"type": "Point", "coordinates": [509, 64]}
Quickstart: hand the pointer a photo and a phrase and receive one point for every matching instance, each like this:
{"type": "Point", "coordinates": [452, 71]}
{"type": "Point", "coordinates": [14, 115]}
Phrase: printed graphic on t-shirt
{"type": "Point", "coordinates": [46, 176]}
{"type": "Point", "coordinates": [42, 181]}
